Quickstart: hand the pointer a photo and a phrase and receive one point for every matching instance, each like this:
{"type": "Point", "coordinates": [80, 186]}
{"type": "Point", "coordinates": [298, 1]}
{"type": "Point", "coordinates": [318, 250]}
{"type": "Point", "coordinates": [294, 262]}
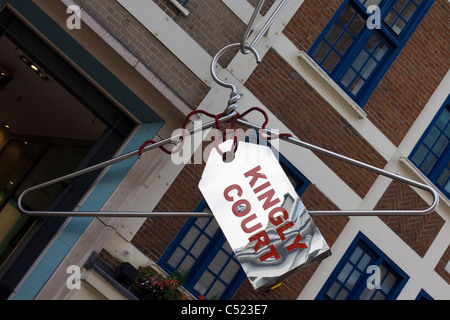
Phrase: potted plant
{"type": "Point", "coordinates": [160, 287]}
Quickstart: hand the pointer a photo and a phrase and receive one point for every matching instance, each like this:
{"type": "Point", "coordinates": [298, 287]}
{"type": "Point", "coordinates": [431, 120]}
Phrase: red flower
{"type": "Point", "coordinates": [201, 297]}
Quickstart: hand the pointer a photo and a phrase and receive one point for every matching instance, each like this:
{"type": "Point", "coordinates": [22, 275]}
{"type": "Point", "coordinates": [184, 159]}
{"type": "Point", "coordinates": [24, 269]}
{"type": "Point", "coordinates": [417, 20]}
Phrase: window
{"type": "Point", "coordinates": [349, 279]}
{"type": "Point", "coordinates": [423, 295]}
{"type": "Point", "coordinates": [357, 57]}
{"type": "Point", "coordinates": [432, 153]}
{"type": "Point", "coordinates": [201, 249]}
{"type": "Point", "coordinates": [183, 2]}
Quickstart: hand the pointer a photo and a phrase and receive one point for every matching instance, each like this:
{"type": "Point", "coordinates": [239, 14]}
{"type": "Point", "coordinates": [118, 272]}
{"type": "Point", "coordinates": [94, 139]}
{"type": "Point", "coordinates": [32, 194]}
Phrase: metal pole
{"type": "Point", "coordinates": [269, 23]}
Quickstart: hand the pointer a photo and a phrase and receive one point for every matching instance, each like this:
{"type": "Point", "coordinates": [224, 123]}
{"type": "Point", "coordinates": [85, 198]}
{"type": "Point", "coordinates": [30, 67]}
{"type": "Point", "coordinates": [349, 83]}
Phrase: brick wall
{"type": "Point", "coordinates": [293, 101]}
{"type": "Point", "coordinates": [418, 232]}
{"type": "Point", "coordinates": [440, 268]}
{"type": "Point", "coordinates": [148, 49]}
{"type": "Point", "coordinates": [210, 23]}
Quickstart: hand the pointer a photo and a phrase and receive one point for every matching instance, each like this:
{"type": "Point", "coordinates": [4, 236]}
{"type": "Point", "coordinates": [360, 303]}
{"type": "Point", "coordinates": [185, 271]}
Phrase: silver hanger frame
{"type": "Point", "coordinates": [229, 114]}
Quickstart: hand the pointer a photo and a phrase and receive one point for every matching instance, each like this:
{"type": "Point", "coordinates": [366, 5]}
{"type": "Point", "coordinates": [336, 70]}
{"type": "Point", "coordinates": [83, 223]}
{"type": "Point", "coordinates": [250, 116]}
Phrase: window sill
{"type": "Point", "coordinates": [182, 9]}
{"type": "Point", "coordinates": [408, 164]}
{"type": "Point", "coordinates": [330, 83]}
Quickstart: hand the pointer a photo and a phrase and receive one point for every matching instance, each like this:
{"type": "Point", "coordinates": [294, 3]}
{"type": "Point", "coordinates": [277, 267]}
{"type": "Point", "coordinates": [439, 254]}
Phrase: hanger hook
{"type": "Point", "coordinates": [235, 95]}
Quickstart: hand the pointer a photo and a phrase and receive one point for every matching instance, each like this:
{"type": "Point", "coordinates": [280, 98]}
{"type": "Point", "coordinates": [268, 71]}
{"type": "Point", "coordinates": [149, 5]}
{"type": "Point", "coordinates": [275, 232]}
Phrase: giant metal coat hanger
{"type": "Point", "coordinates": [230, 114]}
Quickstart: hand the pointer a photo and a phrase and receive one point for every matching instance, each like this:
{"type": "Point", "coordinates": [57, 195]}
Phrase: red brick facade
{"type": "Point", "coordinates": [148, 49]}
{"type": "Point", "coordinates": [418, 232]}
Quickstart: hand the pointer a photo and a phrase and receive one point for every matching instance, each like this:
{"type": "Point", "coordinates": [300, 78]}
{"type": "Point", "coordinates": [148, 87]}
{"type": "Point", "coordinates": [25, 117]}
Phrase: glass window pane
{"type": "Point", "coordinates": [201, 223]}
{"type": "Point", "coordinates": [447, 187]}
{"type": "Point", "coordinates": [230, 271]}
{"type": "Point", "coordinates": [368, 68]}
{"type": "Point", "coordinates": [226, 246]}
{"type": "Point", "coordinates": [444, 177]}
{"type": "Point", "coordinates": [187, 264]}
{"type": "Point", "coordinates": [334, 33]}
{"type": "Point", "coordinates": [356, 85]}
{"type": "Point", "coordinates": [380, 51]}
{"type": "Point", "coordinates": [366, 294]}
{"type": "Point", "coordinates": [388, 283]}
{"type": "Point", "coordinates": [342, 295]}
{"type": "Point", "coordinates": [332, 292]}
{"type": "Point", "coordinates": [356, 255]}
{"type": "Point", "coordinates": [218, 262]}
{"type": "Point", "coordinates": [352, 279]}
{"type": "Point", "coordinates": [360, 60]}
{"type": "Point", "coordinates": [390, 18]}
{"type": "Point", "coordinates": [344, 43]}
{"type": "Point", "coordinates": [331, 61]}
{"type": "Point", "coordinates": [204, 282]}
{"type": "Point", "coordinates": [190, 238]}
{"type": "Point", "coordinates": [342, 277]}
{"type": "Point", "coordinates": [420, 155]}
{"type": "Point", "coordinates": [431, 137]}
{"type": "Point", "coordinates": [216, 291]}
{"type": "Point", "coordinates": [212, 228]}
{"type": "Point", "coordinates": [372, 42]}
{"type": "Point", "coordinates": [356, 25]}
{"type": "Point", "coordinates": [176, 257]}
{"type": "Point", "coordinates": [440, 145]}
{"type": "Point", "coordinates": [398, 26]}
{"type": "Point", "coordinates": [443, 119]}
{"type": "Point", "coordinates": [409, 11]}
{"type": "Point", "coordinates": [347, 15]}
{"type": "Point", "coordinates": [348, 77]}
{"type": "Point", "coordinates": [399, 5]}
{"type": "Point", "coordinates": [364, 262]}
{"type": "Point", "coordinates": [201, 243]}
{"type": "Point", "coordinates": [320, 52]}
{"type": "Point", "coordinates": [428, 164]}
{"type": "Point", "coordinates": [379, 296]}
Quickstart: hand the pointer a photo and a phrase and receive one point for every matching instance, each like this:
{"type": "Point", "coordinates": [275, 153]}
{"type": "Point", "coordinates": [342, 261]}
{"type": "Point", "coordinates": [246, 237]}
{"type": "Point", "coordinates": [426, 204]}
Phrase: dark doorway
{"type": "Point", "coordinates": [52, 122]}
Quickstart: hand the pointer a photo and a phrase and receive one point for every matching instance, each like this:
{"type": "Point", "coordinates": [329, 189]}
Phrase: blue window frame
{"type": "Point", "coordinates": [183, 2]}
{"type": "Point", "coordinates": [357, 57]}
{"type": "Point", "coordinates": [201, 249]}
{"type": "Point", "coordinates": [349, 279]}
{"type": "Point", "coordinates": [423, 295]}
{"type": "Point", "coordinates": [432, 153]}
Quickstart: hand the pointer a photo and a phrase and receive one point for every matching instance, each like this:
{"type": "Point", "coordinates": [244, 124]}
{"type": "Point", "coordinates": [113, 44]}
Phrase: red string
{"type": "Point", "coordinates": [217, 123]}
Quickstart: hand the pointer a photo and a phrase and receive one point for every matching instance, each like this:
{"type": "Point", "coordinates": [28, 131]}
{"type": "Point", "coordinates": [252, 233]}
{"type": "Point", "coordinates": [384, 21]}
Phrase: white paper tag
{"type": "Point", "coordinates": [261, 215]}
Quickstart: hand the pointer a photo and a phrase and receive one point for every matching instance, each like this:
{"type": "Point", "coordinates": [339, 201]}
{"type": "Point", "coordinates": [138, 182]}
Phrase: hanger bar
{"type": "Point", "coordinates": [250, 25]}
{"type": "Point", "coordinates": [247, 124]}
{"type": "Point", "coordinates": [269, 23]}
{"type": "Point", "coordinates": [111, 162]}
{"type": "Point", "coordinates": [363, 165]}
